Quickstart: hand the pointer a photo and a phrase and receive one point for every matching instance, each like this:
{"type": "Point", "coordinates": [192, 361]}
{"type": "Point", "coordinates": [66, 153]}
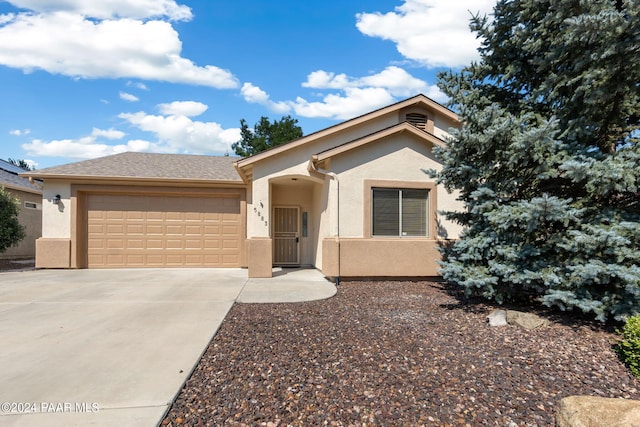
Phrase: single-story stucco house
{"type": "Point", "coordinates": [30, 216]}
{"type": "Point", "coordinates": [351, 200]}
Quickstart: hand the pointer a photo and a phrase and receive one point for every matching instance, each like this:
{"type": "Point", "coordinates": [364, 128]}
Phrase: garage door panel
{"type": "Point", "coordinates": [193, 244]}
{"type": "Point", "coordinates": [135, 229]}
{"type": "Point", "coordinates": [229, 244]}
{"type": "Point", "coordinates": [134, 215]}
{"type": "Point", "coordinates": [115, 229]}
{"type": "Point", "coordinates": [115, 244]}
{"type": "Point", "coordinates": [155, 244]}
{"type": "Point", "coordinates": [96, 228]}
{"type": "Point", "coordinates": [135, 244]}
{"type": "Point", "coordinates": [96, 243]}
{"type": "Point", "coordinates": [154, 216]}
{"type": "Point", "coordinates": [158, 231]}
{"type": "Point", "coordinates": [171, 229]}
{"type": "Point", "coordinates": [212, 244]}
{"type": "Point", "coordinates": [194, 230]}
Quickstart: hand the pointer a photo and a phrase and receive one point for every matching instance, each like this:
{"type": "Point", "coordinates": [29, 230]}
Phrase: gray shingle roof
{"type": "Point", "coordinates": [11, 180]}
{"type": "Point", "coordinates": [150, 166]}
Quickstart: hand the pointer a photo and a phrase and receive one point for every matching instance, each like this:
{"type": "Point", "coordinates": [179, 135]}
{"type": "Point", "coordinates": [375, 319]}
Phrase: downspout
{"type": "Point", "coordinates": [314, 167]}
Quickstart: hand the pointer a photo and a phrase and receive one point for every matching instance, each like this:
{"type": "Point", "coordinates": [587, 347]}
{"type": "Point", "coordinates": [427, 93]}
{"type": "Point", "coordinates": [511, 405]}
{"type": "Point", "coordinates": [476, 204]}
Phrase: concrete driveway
{"type": "Point", "coordinates": [104, 347]}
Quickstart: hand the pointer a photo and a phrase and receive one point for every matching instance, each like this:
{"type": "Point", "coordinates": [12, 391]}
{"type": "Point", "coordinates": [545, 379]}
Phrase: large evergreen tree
{"type": "Point", "coordinates": [548, 158]}
{"type": "Point", "coordinates": [266, 135]}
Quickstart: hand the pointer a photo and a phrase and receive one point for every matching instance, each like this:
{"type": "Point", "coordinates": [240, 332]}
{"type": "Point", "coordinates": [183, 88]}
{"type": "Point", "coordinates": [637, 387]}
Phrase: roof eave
{"type": "Point", "coordinates": [77, 178]}
{"type": "Point", "coordinates": [21, 188]}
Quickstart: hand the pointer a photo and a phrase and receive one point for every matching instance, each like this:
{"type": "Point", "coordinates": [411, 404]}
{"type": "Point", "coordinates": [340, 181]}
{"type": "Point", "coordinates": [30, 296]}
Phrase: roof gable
{"type": "Point", "coordinates": [418, 100]}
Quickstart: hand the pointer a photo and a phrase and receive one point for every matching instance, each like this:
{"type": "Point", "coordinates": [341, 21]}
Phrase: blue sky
{"type": "Point", "coordinates": [84, 79]}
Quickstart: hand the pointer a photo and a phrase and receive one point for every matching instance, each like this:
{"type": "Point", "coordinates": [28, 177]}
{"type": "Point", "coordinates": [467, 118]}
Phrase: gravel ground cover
{"type": "Point", "coordinates": [394, 354]}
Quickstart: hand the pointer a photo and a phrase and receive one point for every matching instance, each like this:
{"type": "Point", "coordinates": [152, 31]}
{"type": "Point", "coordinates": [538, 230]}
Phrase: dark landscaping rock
{"type": "Point", "coordinates": [394, 354]}
{"type": "Point", "coordinates": [593, 411]}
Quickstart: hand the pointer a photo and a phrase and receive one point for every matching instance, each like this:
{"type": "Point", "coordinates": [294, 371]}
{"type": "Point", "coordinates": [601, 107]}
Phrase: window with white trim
{"type": "Point", "coordinates": [400, 212]}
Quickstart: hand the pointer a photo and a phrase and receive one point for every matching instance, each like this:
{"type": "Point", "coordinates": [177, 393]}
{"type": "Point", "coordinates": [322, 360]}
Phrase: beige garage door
{"type": "Point", "coordinates": [155, 231]}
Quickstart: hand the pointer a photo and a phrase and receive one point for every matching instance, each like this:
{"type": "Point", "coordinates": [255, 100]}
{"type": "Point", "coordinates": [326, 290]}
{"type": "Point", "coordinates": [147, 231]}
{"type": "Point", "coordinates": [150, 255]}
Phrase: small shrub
{"type": "Point", "coordinates": [629, 348]}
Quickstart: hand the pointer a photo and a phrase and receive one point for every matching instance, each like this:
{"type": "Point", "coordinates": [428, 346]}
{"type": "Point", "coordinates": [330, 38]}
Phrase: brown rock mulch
{"type": "Point", "coordinates": [394, 354]}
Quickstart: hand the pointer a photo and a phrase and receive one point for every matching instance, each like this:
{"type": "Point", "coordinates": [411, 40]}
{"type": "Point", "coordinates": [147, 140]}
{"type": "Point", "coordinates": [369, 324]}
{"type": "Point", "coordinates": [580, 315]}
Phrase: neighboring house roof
{"type": "Point", "coordinates": [10, 167]}
{"type": "Point", "coordinates": [9, 178]}
{"type": "Point", "coordinates": [416, 100]}
{"type": "Point", "coordinates": [147, 167]}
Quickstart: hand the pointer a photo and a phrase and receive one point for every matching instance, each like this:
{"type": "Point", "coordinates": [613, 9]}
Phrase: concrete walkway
{"type": "Point", "coordinates": [113, 347]}
{"type": "Point", "coordinates": [288, 285]}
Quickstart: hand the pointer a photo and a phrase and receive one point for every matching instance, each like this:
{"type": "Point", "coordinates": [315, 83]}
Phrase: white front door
{"type": "Point", "coordinates": [286, 237]}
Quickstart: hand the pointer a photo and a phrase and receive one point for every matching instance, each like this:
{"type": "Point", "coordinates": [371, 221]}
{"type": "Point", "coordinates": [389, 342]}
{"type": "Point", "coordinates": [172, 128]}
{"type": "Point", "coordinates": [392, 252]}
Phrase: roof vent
{"type": "Point", "coordinates": [418, 120]}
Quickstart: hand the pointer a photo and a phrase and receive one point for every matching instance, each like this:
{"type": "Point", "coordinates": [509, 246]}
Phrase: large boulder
{"type": "Point", "coordinates": [592, 411]}
{"type": "Point", "coordinates": [526, 320]}
{"type": "Point", "coordinates": [516, 318]}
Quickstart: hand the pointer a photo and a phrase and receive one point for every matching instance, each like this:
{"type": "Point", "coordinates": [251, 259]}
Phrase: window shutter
{"type": "Point", "coordinates": [386, 212]}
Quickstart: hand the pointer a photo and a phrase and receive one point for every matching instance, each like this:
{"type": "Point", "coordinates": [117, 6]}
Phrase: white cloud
{"type": "Point", "coordinates": [4, 18]}
{"type": "Point", "coordinates": [32, 164]}
{"type": "Point", "coordinates": [19, 132]}
{"type": "Point", "coordinates": [128, 97]}
{"type": "Point", "coordinates": [355, 95]}
{"type": "Point", "coordinates": [173, 131]}
{"type": "Point", "coordinates": [355, 101]}
{"type": "Point", "coordinates": [433, 32]}
{"type": "Point", "coordinates": [255, 95]}
{"type": "Point", "coordinates": [70, 44]}
{"type": "Point", "coordinates": [106, 9]}
{"type": "Point", "coordinates": [396, 80]}
{"type": "Point", "coordinates": [90, 146]}
{"type": "Point", "coordinates": [182, 134]}
{"type": "Point", "coordinates": [138, 85]}
{"type": "Point", "coordinates": [107, 133]}
{"type": "Point", "coordinates": [183, 108]}
{"type": "Point", "coordinates": [85, 148]}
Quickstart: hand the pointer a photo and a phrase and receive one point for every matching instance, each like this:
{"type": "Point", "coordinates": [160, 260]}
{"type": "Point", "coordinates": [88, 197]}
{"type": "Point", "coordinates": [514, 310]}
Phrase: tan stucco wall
{"type": "Point", "coordinates": [399, 158]}
{"type": "Point", "coordinates": [31, 219]}
{"type": "Point", "coordinates": [260, 250]}
{"type": "Point", "coordinates": [380, 258]}
{"type": "Point", "coordinates": [56, 219]}
{"type": "Point", "coordinates": [295, 162]}
{"type": "Point", "coordinates": [53, 253]}
{"type": "Point", "coordinates": [442, 127]}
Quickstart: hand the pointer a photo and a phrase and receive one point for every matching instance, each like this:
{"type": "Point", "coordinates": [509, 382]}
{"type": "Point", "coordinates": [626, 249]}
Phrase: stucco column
{"type": "Point", "coordinates": [260, 259]}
